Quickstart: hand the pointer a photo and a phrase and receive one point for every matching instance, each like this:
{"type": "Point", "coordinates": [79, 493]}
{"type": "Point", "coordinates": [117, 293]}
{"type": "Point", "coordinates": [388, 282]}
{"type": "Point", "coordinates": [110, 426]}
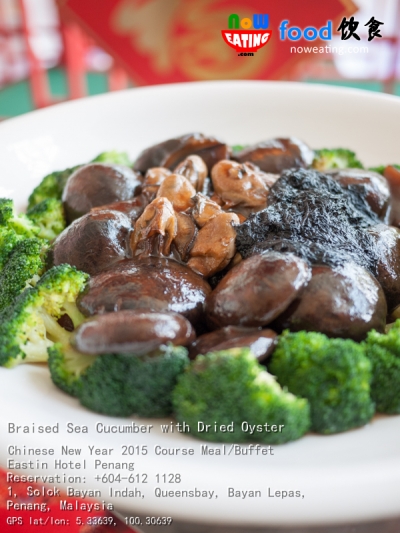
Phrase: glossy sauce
{"type": "Point", "coordinates": [132, 331]}
{"type": "Point", "coordinates": [152, 283]}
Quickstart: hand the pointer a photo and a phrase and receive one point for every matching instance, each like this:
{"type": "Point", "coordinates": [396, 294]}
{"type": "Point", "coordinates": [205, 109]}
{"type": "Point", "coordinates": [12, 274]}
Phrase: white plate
{"type": "Point", "coordinates": [347, 477]}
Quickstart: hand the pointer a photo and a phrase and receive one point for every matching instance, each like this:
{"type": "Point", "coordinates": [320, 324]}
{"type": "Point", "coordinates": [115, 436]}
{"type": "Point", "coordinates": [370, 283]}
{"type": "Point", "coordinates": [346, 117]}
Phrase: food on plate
{"type": "Point", "coordinates": [22, 269]}
{"type": "Point", "coordinates": [22, 253]}
{"type": "Point", "coordinates": [132, 208]}
{"type": "Point", "coordinates": [333, 374]}
{"type": "Point", "coordinates": [131, 331]}
{"type": "Point", "coordinates": [392, 175]}
{"type": "Point", "coordinates": [178, 190]}
{"type": "Point", "coordinates": [195, 171]}
{"type": "Point", "coordinates": [120, 384]}
{"type": "Point", "coordinates": [204, 209]}
{"type": "Point", "coordinates": [276, 155]}
{"type": "Point", "coordinates": [155, 229]}
{"type": "Point", "coordinates": [49, 217]}
{"type": "Point", "coordinates": [343, 301]}
{"type": "Point", "coordinates": [261, 342]}
{"type": "Point", "coordinates": [152, 181]}
{"type": "Point", "coordinates": [386, 240]}
{"type": "Point", "coordinates": [97, 184]}
{"type": "Point", "coordinates": [241, 185]}
{"type": "Point", "coordinates": [30, 324]}
{"type": "Point", "coordinates": [52, 185]}
{"type": "Point", "coordinates": [383, 350]}
{"type": "Point", "coordinates": [94, 241]}
{"type": "Point", "coordinates": [170, 153]}
{"type": "Point", "coordinates": [328, 158]}
{"type": "Point", "coordinates": [9, 239]}
{"type": "Point", "coordinates": [152, 283]}
{"type": "Point", "coordinates": [257, 290]}
{"type": "Point", "coordinates": [227, 388]}
{"type": "Point", "coordinates": [313, 216]}
{"type": "Point", "coordinates": [366, 186]}
{"type": "Point", "coordinates": [10, 222]}
{"type": "Point", "coordinates": [273, 259]}
{"type": "Point", "coordinates": [214, 245]}
{"type": "Point", "coordinates": [186, 233]}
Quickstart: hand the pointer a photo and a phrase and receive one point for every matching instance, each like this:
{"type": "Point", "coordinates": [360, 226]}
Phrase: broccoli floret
{"type": "Point", "coordinates": [60, 287]}
{"type": "Point", "coordinates": [379, 169]}
{"type": "Point", "coordinates": [8, 241]}
{"type": "Point", "coordinates": [238, 147]}
{"type": "Point", "coordinates": [103, 387]}
{"type": "Point", "coordinates": [66, 367]}
{"type": "Point", "coordinates": [22, 269]}
{"type": "Point", "coordinates": [23, 226]}
{"type": "Point", "coordinates": [328, 158]}
{"type": "Point", "coordinates": [49, 217]}
{"type": "Point", "coordinates": [13, 229]}
{"type": "Point", "coordinates": [6, 210]}
{"type": "Point", "coordinates": [29, 326]}
{"type": "Point", "coordinates": [122, 385]}
{"type": "Point", "coordinates": [383, 350]}
{"type": "Point", "coordinates": [113, 158]}
{"type": "Point", "coordinates": [23, 336]}
{"type": "Point", "coordinates": [230, 386]}
{"type": "Point", "coordinates": [119, 384]}
{"type": "Point", "coordinates": [19, 223]}
{"type": "Point", "coordinates": [51, 186]}
{"type": "Point", "coordinates": [161, 368]}
{"type": "Point", "coordinates": [333, 374]}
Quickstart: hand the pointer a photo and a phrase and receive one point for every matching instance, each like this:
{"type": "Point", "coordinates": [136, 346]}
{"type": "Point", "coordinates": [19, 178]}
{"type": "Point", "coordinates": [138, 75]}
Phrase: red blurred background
{"type": "Point", "coordinates": [55, 50]}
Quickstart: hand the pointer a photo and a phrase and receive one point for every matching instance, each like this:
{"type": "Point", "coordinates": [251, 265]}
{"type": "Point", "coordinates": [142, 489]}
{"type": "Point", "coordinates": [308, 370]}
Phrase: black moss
{"type": "Point", "coordinates": [313, 216]}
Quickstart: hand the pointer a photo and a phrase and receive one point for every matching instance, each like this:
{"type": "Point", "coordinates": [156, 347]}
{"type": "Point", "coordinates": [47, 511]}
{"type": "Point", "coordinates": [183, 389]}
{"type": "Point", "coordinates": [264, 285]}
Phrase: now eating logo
{"type": "Point", "coordinates": [251, 37]}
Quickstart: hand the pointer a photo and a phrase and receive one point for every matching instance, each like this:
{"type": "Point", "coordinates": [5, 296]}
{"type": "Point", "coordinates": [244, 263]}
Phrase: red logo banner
{"type": "Point", "coordinates": [161, 41]}
{"type": "Point", "coordinates": [245, 40]}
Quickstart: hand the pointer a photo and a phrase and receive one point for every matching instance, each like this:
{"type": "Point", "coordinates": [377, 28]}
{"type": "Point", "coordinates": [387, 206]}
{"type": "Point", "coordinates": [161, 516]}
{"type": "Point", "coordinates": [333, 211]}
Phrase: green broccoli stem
{"type": "Point", "coordinates": [35, 348]}
{"type": "Point", "coordinates": [55, 332]}
{"type": "Point", "coordinates": [78, 362]}
{"type": "Point", "coordinates": [74, 314]}
{"type": "Point", "coordinates": [34, 352]}
{"type": "Point", "coordinates": [32, 281]}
